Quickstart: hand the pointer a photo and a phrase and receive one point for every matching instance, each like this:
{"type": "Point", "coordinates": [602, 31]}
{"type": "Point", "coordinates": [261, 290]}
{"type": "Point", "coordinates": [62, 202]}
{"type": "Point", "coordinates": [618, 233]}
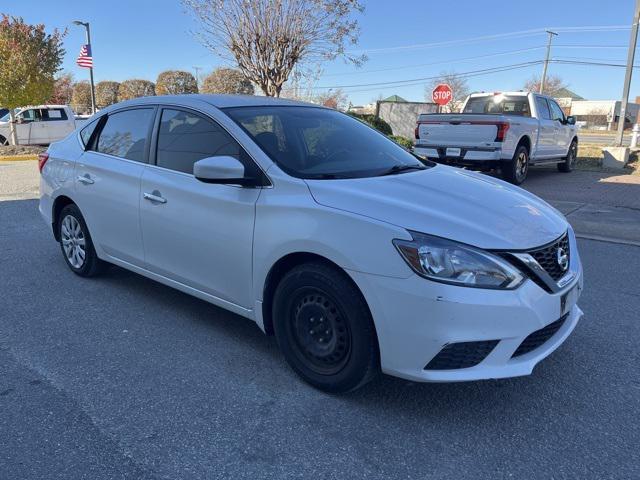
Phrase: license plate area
{"type": "Point", "coordinates": [453, 152]}
{"type": "Point", "coordinates": [568, 299]}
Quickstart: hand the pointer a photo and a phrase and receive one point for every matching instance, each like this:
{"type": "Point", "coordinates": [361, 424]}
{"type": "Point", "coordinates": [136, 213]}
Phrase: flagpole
{"type": "Point", "coordinates": [93, 90]}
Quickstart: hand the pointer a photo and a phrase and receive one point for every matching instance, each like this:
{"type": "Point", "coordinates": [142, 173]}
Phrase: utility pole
{"type": "Point", "coordinates": [546, 61]}
{"type": "Point", "coordinates": [627, 77]}
{"type": "Point", "coordinates": [197, 70]}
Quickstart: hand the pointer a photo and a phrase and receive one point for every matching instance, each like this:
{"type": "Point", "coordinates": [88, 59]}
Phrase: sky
{"type": "Point", "coordinates": [405, 40]}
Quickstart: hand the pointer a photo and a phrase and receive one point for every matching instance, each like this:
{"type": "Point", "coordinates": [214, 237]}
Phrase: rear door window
{"type": "Point", "coordinates": [556, 111]}
{"type": "Point", "coordinates": [543, 108]}
{"type": "Point", "coordinates": [54, 114]}
{"type": "Point", "coordinates": [125, 134]}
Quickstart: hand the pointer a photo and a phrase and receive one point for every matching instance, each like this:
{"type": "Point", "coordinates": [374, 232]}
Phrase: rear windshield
{"type": "Point", "coordinates": [500, 104]}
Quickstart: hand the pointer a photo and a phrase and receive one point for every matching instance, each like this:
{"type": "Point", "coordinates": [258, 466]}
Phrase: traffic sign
{"type": "Point", "coordinates": [442, 94]}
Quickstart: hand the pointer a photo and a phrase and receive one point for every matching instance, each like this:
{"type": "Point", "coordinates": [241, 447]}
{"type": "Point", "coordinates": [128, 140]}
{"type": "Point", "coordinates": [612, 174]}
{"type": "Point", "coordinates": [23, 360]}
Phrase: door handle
{"type": "Point", "coordinates": [154, 197]}
{"type": "Point", "coordinates": [86, 179]}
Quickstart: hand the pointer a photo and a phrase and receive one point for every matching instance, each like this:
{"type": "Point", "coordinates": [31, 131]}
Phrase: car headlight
{"type": "Point", "coordinates": [446, 261]}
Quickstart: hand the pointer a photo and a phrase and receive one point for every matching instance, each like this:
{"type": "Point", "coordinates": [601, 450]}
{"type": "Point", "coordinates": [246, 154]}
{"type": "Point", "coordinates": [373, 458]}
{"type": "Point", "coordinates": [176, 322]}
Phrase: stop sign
{"type": "Point", "coordinates": [442, 94]}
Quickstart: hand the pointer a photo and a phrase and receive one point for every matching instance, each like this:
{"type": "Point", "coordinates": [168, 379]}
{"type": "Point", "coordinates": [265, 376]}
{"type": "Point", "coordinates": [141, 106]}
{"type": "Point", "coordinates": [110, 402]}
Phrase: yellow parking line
{"type": "Point", "coordinates": [17, 158]}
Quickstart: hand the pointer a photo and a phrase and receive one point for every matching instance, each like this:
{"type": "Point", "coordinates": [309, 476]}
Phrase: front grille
{"type": "Point", "coordinates": [539, 337]}
{"type": "Point", "coordinates": [547, 257]}
{"type": "Point", "coordinates": [461, 355]}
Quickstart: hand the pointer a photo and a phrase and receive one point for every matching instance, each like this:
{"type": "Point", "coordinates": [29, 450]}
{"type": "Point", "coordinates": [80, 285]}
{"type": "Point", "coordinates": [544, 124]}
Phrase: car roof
{"type": "Point", "coordinates": [219, 101]}
{"type": "Point", "coordinates": [491, 94]}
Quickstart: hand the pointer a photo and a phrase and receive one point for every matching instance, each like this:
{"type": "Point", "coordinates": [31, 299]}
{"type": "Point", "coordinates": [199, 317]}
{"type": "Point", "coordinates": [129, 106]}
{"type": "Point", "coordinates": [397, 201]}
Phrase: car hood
{"type": "Point", "coordinates": [448, 202]}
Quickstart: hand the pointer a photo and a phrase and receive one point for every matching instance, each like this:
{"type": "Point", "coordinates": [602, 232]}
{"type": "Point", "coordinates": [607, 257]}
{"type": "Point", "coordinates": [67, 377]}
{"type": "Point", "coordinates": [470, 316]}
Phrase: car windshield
{"type": "Point", "coordinates": [501, 104]}
{"type": "Point", "coordinates": [319, 143]}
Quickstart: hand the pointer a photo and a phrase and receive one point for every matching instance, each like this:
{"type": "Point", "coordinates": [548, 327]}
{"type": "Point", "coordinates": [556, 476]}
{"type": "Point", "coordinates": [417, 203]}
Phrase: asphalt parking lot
{"type": "Point", "coordinates": [120, 377]}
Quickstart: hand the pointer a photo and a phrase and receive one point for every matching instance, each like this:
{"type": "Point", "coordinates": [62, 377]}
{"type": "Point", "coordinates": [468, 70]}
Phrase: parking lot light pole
{"type": "Point", "coordinates": [627, 77]}
{"type": "Point", "coordinates": [546, 61]}
{"type": "Point", "coordinates": [93, 90]}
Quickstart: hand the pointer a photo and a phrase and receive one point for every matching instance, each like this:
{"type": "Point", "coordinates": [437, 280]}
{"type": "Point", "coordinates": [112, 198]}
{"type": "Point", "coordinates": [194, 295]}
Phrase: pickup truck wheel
{"type": "Point", "coordinates": [570, 159]}
{"type": "Point", "coordinates": [516, 170]}
{"type": "Point", "coordinates": [3, 141]}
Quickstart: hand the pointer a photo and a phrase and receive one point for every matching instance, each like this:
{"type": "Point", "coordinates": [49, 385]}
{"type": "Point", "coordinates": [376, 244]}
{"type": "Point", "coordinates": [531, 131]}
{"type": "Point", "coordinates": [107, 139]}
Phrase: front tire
{"type": "Point", "coordinates": [570, 159]}
{"type": "Point", "coordinates": [324, 328]}
{"type": "Point", "coordinates": [76, 244]}
{"type": "Point", "coordinates": [515, 171]}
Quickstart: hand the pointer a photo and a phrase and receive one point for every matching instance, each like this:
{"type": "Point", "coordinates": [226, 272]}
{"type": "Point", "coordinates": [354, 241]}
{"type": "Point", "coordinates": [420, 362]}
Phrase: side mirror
{"type": "Point", "coordinates": [571, 120]}
{"type": "Point", "coordinates": [222, 170]}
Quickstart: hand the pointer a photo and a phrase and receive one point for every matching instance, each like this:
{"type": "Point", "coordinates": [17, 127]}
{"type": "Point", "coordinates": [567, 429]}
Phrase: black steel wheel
{"type": "Point", "coordinates": [324, 328]}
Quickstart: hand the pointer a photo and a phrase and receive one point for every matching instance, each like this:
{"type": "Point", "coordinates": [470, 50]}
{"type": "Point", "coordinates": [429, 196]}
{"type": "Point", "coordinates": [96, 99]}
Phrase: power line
{"type": "Point", "coordinates": [416, 65]}
{"type": "Point", "coordinates": [472, 73]}
{"type": "Point", "coordinates": [498, 36]}
{"type": "Point", "coordinates": [596, 64]}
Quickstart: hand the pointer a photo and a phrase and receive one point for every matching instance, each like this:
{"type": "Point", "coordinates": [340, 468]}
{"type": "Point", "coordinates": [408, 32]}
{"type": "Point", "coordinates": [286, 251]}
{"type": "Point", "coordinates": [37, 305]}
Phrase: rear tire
{"type": "Point", "coordinates": [76, 244]}
{"type": "Point", "coordinates": [3, 141]}
{"type": "Point", "coordinates": [570, 159]}
{"type": "Point", "coordinates": [324, 329]}
{"type": "Point", "coordinates": [515, 171]}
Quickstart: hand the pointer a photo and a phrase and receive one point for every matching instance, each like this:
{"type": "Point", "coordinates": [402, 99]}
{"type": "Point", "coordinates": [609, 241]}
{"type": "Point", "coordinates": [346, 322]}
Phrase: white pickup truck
{"type": "Point", "coordinates": [508, 131]}
{"type": "Point", "coordinates": [40, 125]}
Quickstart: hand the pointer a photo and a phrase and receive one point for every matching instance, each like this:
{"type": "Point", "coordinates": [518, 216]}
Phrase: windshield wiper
{"type": "Point", "coordinates": [402, 168]}
{"type": "Point", "coordinates": [326, 176]}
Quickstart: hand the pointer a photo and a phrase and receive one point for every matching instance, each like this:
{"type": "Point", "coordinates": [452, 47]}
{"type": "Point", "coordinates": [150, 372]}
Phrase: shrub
{"type": "Point", "coordinates": [375, 122]}
{"type": "Point", "coordinates": [402, 141]}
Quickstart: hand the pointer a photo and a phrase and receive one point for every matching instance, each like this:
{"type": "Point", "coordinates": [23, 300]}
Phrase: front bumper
{"type": "Point", "coordinates": [416, 318]}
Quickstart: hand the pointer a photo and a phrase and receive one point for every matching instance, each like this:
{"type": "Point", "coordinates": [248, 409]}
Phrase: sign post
{"type": "Point", "coordinates": [442, 95]}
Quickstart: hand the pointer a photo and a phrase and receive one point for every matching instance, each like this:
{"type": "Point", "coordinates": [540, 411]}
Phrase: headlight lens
{"type": "Point", "coordinates": [451, 262]}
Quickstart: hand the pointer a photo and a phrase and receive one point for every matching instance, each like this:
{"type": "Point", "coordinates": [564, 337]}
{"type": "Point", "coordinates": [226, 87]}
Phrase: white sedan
{"type": "Point", "coordinates": [357, 255]}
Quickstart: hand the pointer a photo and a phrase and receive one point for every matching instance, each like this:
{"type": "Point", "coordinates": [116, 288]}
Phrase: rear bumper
{"type": "Point", "coordinates": [469, 156]}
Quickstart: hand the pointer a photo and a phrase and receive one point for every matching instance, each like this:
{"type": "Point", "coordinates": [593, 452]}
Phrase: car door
{"type": "Point", "coordinates": [108, 181]}
{"type": "Point", "coordinates": [57, 124]}
{"type": "Point", "coordinates": [562, 131]}
{"type": "Point", "coordinates": [546, 134]}
{"type": "Point", "coordinates": [195, 233]}
{"type": "Point", "coordinates": [29, 127]}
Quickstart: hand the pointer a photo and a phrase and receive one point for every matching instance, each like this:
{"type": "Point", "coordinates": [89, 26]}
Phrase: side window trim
{"type": "Point", "coordinates": [95, 136]}
{"type": "Point", "coordinates": [153, 158]}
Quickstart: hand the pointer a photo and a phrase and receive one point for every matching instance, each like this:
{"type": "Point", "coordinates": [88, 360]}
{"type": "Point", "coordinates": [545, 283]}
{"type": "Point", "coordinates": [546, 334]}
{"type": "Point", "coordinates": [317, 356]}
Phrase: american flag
{"type": "Point", "coordinates": [85, 59]}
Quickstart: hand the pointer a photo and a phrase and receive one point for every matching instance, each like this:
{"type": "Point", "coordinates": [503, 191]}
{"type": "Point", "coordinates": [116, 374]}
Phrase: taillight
{"type": "Point", "coordinates": [502, 131]}
{"type": "Point", "coordinates": [42, 159]}
{"type": "Point", "coordinates": [417, 132]}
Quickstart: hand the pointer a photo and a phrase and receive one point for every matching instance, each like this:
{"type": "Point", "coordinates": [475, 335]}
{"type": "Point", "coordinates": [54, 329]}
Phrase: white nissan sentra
{"type": "Point", "coordinates": [358, 256]}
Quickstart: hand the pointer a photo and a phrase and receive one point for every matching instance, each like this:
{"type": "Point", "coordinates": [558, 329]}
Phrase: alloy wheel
{"type": "Point", "coordinates": [522, 165]}
{"type": "Point", "coordinates": [73, 241]}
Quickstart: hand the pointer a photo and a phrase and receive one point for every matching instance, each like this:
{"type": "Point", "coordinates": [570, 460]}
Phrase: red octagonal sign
{"type": "Point", "coordinates": [442, 94]}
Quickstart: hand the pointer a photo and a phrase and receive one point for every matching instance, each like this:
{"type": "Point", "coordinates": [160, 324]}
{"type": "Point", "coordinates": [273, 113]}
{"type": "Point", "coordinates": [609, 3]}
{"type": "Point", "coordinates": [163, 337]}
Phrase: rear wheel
{"type": "Point", "coordinates": [515, 171]}
{"type": "Point", "coordinates": [324, 328]}
{"type": "Point", "coordinates": [570, 159]}
{"type": "Point", "coordinates": [75, 242]}
{"type": "Point", "coordinates": [3, 141]}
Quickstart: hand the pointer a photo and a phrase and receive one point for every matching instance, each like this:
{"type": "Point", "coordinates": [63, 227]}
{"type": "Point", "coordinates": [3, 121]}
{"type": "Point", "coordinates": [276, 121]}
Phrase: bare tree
{"type": "Point", "coordinates": [335, 98]}
{"type": "Point", "coordinates": [459, 87]}
{"type": "Point", "coordinates": [268, 38]}
{"type": "Point", "coordinates": [552, 85]}
{"type": "Point", "coordinates": [227, 80]}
